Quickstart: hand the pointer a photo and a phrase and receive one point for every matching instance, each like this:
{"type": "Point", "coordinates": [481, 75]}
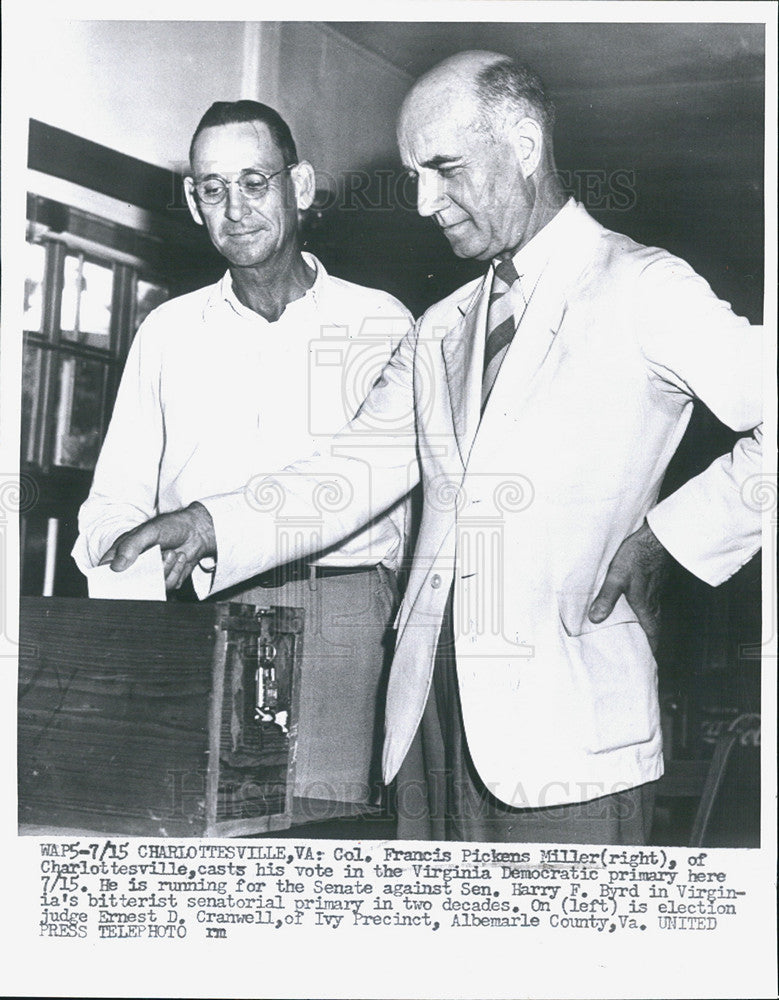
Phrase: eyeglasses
{"type": "Point", "coordinates": [252, 184]}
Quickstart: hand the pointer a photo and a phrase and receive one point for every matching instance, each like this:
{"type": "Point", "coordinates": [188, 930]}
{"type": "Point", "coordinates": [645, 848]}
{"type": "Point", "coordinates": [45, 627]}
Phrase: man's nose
{"type": "Point", "coordinates": [430, 194]}
{"type": "Point", "coordinates": [235, 202]}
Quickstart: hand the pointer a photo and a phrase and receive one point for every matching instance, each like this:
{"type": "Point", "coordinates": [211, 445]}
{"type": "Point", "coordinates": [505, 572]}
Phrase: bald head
{"type": "Point", "coordinates": [475, 132]}
{"type": "Point", "coordinates": [493, 85]}
{"type": "Point", "coordinates": [456, 75]}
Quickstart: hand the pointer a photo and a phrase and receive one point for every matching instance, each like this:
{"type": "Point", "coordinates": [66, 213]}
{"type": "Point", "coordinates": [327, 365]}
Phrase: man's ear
{"type": "Point", "coordinates": [304, 179]}
{"type": "Point", "coordinates": [527, 138]}
{"type": "Point", "coordinates": [194, 208]}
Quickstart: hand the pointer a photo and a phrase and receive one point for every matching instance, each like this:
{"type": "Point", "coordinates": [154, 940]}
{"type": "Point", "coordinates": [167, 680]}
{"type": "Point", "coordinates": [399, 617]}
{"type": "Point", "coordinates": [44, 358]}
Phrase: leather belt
{"type": "Point", "coordinates": [294, 572]}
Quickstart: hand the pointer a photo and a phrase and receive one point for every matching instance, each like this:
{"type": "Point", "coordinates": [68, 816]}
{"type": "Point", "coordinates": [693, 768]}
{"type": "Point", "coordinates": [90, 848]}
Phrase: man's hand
{"type": "Point", "coordinates": [185, 537]}
{"type": "Point", "coordinates": [638, 570]}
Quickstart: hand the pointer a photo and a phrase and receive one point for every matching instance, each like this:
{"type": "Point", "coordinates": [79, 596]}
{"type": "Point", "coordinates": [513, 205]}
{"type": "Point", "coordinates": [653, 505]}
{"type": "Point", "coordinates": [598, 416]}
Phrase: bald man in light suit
{"type": "Point", "coordinates": [548, 399]}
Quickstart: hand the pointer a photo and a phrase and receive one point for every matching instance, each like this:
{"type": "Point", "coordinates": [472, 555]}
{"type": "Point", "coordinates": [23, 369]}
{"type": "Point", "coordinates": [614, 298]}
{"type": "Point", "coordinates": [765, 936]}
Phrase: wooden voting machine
{"type": "Point", "coordinates": [169, 719]}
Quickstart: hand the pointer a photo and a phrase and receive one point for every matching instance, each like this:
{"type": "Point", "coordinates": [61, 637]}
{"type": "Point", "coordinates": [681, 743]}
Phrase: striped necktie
{"type": "Point", "coordinates": [501, 325]}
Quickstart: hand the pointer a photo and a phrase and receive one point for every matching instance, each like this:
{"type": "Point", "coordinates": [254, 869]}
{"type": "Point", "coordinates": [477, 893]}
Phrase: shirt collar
{"type": "Point", "coordinates": [531, 258]}
{"type": "Point", "coordinates": [223, 291]}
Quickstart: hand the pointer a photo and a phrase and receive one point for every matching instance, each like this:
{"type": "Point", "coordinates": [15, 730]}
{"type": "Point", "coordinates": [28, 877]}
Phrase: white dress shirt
{"type": "Point", "coordinates": [213, 395]}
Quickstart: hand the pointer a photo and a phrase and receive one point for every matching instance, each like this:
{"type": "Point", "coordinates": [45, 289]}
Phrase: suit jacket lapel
{"type": "Point", "coordinates": [543, 317]}
{"type": "Point", "coordinates": [532, 342]}
{"type": "Point", "coordinates": [463, 346]}
{"type": "Point", "coordinates": [463, 352]}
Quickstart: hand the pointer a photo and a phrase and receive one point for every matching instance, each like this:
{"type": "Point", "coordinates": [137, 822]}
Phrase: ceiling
{"type": "Point", "coordinates": [576, 55]}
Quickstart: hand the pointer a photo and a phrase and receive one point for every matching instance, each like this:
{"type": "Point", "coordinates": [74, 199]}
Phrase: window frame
{"type": "Point", "coordinates": [39, 438]}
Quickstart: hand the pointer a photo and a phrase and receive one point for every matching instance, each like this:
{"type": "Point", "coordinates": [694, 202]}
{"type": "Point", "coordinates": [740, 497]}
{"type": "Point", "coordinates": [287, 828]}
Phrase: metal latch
{"type": "Point", "coordinates": [266, 684]}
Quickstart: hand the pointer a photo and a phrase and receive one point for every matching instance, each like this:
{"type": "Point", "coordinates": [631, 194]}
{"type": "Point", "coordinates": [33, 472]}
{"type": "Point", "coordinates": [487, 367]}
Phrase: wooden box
{"type": "Point", "coordinates": [143, 718]}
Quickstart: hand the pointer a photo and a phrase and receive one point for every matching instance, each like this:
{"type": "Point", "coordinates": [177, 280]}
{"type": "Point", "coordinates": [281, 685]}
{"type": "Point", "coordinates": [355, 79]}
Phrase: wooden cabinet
{"type": "Point", "coordinates": [160, 719]}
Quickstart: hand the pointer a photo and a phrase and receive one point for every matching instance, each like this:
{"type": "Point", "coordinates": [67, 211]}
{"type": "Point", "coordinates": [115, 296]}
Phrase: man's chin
{"type": "Point", "coordinates": [249, 258]}
{"type": "Point", "coordinates": [464, 245]}
{"type": "Point", "coordinates": [469, 252]}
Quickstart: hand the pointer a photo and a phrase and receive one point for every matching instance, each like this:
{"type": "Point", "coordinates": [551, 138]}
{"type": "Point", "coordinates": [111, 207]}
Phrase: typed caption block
{"type": "Point", "coordinates": [118, 889]}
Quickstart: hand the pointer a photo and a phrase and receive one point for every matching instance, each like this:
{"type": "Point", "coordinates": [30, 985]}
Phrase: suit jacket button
{"type": "Point", "coordinates": [435, 581]}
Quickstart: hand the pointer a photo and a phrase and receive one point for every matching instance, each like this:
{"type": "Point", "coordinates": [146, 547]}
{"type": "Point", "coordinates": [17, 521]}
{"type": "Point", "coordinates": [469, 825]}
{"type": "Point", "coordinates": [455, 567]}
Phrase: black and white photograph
{"type": "Point", "coordinates": [388, 508]}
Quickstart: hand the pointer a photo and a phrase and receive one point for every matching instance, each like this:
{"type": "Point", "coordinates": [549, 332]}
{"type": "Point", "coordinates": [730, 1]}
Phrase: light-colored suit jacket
{"type": "Point", "coordinates": [525, 506]}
